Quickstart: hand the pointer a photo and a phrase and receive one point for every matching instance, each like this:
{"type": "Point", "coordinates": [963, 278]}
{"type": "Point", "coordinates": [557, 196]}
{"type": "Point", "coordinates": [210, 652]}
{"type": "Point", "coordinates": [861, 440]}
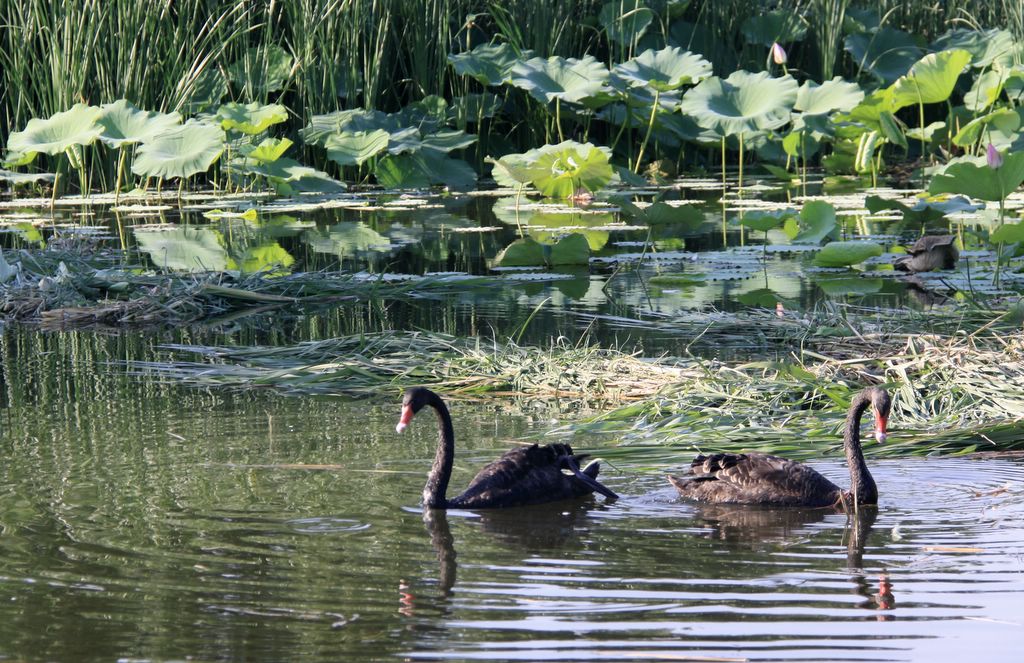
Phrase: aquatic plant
{"type": "Point", "coordinates": [63, 133]}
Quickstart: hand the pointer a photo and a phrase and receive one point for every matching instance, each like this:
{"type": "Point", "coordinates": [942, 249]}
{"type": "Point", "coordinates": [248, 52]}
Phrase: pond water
{"type": "Point", "coordinates": [143, 521]}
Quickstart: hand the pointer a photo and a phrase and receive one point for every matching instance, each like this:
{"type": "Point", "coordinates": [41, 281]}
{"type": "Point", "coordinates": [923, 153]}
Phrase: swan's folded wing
{"type": "Point", "coordinates": [754, 478]}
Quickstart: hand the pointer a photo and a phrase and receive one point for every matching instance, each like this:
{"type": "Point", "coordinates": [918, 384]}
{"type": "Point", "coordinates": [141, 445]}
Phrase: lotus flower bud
{"type": "Point", "coordinates": [992, 156]}
{"type": "Point", "coordinates": [779, 53]}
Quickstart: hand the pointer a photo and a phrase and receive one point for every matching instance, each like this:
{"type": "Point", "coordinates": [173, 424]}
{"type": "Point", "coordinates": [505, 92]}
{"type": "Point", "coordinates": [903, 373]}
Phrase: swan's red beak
{"type": "Point", "coordinates": [880, 424]}
{"type": "Point", "coordinates": [406, 417]}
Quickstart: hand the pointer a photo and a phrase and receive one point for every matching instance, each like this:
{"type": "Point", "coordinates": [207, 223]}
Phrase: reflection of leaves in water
{"type": "Point", "coordinates": [849, 285]}
{"type": "Point", "coordinates": [270, 258]}
{"type": "Point", "coordinates": [185, 249]}
{"type": "Point", "coordinates": [346, 239]}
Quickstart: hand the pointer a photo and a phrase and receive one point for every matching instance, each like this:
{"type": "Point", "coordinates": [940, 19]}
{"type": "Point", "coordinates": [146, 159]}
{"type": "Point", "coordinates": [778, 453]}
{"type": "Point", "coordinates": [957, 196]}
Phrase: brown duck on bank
{"type": "Point", "coordinates": [929, 253]}
{"type": "Point", "coordinates": [527, 475]}
{"type": "Point", "coordinates": [757, 478]}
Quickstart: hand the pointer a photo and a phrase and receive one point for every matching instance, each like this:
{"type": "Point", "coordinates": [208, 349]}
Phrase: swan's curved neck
{"type": "Point", "coordinates": [862, 485]}
{"type": "Point", "coordinates": [441, 472]}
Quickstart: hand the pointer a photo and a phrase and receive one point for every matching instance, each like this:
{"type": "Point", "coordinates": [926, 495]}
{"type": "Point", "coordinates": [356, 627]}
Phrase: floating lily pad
{"type": "Point", "coordinates": [524, 252]}
{"type": "Point", "coordinates": [570, 250]}
{"type": "Point", "coordinates": [844, 254]}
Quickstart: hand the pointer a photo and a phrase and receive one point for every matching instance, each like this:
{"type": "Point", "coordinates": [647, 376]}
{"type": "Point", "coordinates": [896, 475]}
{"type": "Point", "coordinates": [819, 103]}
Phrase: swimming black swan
{"type": "Point", "coordinates": [928, 253]}
{"type": "Point", "coordinates": [527, 475]}
{"type": "Point", "coordinates": [757, 478]}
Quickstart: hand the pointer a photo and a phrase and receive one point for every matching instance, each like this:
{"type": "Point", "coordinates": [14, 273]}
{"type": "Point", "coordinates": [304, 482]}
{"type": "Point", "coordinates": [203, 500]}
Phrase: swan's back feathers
{"type": "Point", "coordinates": [755, 478]}
{"type": "Point", "coordinates": [527, 475]}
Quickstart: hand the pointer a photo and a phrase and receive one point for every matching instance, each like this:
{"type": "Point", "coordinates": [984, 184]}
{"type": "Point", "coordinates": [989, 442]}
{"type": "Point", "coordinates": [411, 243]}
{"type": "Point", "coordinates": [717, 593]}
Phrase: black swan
{"type": "Point", "coordinates": [527, 475]}
{"type": "Point", "coordinates": [929, 253]}
{"type": "Point", "coordinates": [757, 478]}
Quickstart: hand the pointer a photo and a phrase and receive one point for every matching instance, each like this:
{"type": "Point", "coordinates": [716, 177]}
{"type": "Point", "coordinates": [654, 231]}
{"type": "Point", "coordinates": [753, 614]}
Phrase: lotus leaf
{"type": "Point", "coordinates": [512, 170]}
{"type": "Point", "coordinates": [524, 252]}
{"type": "Point", "coordinates": [844, 254]}
{"type": "Point", "coordinates": [422, 169]}
{"type": "Point", "coordinates": [24, 178]}
{"type": "Point", "coordinates": [978, 180]}
{"type": "Point", "coordinates": [742, 103]}
{"type": "Point", "coordinates": [833, 95]}
{"type": "Point", "coordinates": [887, 53]}
{"type": "Point", "coordinates": [568, 79]}
{"type": "Point", "coordinates": [7, 272]}
{"type": "Point", "coordinates": [925, 209]}
{"type": "Point", "coordinates": [262, 69]}
{"type": "Point", "coordinates": [560, 170]}
{"type": "Point", "coordinates": [288, 176]}
{"type": "Point", "coordinates": [207, 89]}
{"type": "Point", "coordinates": [987, 47]}
{"type": "Point", "coordinates": [625, 21]}
{"type": "Point", "coordinates": [58, 133]}
{"type": "Point", "coordinates": [1008, 233]}
{"type": "Point", "coordinates": [930, 80]}
{"type": "Point", "coordinates": [570, 250]}
{"type": "Point", "coordinates": [473, 107]}
{"type": "Point", "coordinates": [1006, 120]}
{"type": "Point", "coordinates": [817, 221]}
{"type": "Point", "coordinates": [774, 27]}
{"type": "Point", "coordinates": [180, 152]}
{"type": "Point", "coordinates": [660, 213]}
{"type": "Point", "coordinates": [488, 63]}
{"type": "Point", "coordinates": [251, 118]}
{"type": "Point", "coordinates": [663, 70]}
{"type": "Point", "coordinates": [764, 220]}
{"type": "Point", "coordinates": [679, 280]}
{"type": "Point", "coordinates": [353, 148]}
{"type": "Point", "coordinates": [986, 89]}
{"type": "Point", "coordinates": [270, 150]}
{"type": "Point", "coordinates": [124, 124]}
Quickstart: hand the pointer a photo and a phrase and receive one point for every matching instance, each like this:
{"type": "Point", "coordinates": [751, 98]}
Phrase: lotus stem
{"type": "Point", "coordinates": [723, 166]}
{"type": "Point", "coordinates": [647, 136]}
{"type": "Point", "coordinates": [120, 172]}
{"type": "Point", "coordinates": [558, 119]}
{"type": "Point", "coordinates": [739, 179]}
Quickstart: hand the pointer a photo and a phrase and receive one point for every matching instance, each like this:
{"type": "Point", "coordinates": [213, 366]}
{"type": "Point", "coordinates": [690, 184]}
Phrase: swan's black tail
{"type": "Point", "coordinates": [588, 475]}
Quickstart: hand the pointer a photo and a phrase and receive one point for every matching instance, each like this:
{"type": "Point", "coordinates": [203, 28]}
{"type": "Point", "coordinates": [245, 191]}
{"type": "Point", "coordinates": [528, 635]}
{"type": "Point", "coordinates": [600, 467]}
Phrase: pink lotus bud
{"type": "Point", "coordinates": [995, 160]}
{"type": "Point", "coordinates": [779, 54]}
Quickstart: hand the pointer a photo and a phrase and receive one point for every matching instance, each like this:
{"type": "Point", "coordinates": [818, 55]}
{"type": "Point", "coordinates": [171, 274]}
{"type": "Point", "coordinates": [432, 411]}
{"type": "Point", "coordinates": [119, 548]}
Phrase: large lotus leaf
{"type": "Point", "coordinates": [987, 47]}
{"type": "Point", "coordinates": [524, 252]}
{"type": "Point", "coordinates": [844, 254]}
{"type": "Point", "coordinates": [263, 70]}
{"type": "Point", "coordinates": [180, 152]}
{"type": "Point", "coordinates": [567, 79]}
{"type": "Point", "coordinates": [269, 150]}
{"type": "Point", "coordinates": [185, 249]}
{"type": "Point", "coordinates": [512, 170]}
{"type": "Point", "coordinates": [664, 70]}
{"type": "Point", "coordinates": [985, 90]}
{"type": "Point", "coordinates": [765, 220]}
{"type": "Point", "coordinates": [1008, 233]}
{"type": "Point", "coordinates": [833, 95]}
{"type": "Point", "coordinates": [625, 21]}
{"type": "Point", "coordinates": [124, 124]}
{"type": "Point", "coordinates": [570, 250]}
{"type": "Point", "coordinates": [288, 176]}
{"type": "Point", "coordinates": [488, 63]}
{"type": "Point", "coordinates": [473, 107]}
{"type": "Point", "coordinates": [353, 148]}
{"type": "Point", "coordinates": [887, 53]}
{"type": "Point", "coordinates": [742, 103]}
{"type": "Point", "coordinates": [1004, 120]}
{"type": "Point", "coordinates": [980, 181]}
{"type": "Point", "coordinates": [930, 80]}
{"type": "Point", "coordinates": [559, 170]}
{"type": "Point", "coordinates": [817, 221]}
{"type": "Point", "coordinates": [251, 118]}
{"type": "Point", "coordinates": [927, 208]}
{"type": "Point", "coordinates": [205, 91]}
{"type": "Point", "coordinates": [58, 133]}
{"type": "Point", "coordinates": [448, 140]}
{"type": "Point", "coordinates": [870, 110]}
{"type": "Point", "coordinates": [422, 169]}
{"type": "Point", "coordinates": [659, 213]}
{"type": "Point", "coordinates": [800, 143]}
{"type": "Point", "coordinates": [24, 178]}
{"type": "Point", "coordinates": [774, 26]}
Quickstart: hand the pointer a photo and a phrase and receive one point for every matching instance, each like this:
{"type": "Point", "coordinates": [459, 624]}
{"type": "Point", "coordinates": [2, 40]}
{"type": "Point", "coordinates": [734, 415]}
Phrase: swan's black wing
{"type": "Point", "coordinates": [530, 475]}
{"type": "Point", "coordinates": [755, 478]}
